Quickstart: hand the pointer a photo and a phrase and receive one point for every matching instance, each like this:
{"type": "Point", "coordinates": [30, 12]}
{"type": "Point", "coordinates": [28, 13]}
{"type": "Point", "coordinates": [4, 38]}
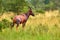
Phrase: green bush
{"type": "Point", "coordinates": [40, 11]}
{"type": "Point", "coordinates": [4, 24]}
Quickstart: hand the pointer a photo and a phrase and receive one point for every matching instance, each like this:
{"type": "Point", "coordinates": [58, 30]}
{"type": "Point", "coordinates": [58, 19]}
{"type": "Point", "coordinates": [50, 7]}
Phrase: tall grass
{"type": "Point", "coordinates": [39, 27]}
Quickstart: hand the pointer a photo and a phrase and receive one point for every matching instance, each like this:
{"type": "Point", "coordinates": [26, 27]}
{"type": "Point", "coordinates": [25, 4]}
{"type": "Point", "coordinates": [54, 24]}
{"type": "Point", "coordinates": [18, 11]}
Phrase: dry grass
{"type": "Point", "coordinates": [41, 27]}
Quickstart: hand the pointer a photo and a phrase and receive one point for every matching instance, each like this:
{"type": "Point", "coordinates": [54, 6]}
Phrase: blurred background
{"type": "Point", "coordinates": [22, 5]}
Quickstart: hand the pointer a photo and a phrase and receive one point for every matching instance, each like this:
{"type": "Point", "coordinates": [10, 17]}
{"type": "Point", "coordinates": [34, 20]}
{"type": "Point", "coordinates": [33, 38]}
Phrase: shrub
{"type": "Point", "coordinates": [40, 11]}
{"type": "Point", "coordinates": [4, 24]}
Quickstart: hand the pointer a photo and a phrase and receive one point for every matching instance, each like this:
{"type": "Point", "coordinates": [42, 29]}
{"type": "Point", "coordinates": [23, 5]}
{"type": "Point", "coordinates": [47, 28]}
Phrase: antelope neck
{"type": "Point", "coordinates": [27, 15]}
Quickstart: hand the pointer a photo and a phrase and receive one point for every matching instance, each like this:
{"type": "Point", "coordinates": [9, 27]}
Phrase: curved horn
{"type": "Point", "coordinates": [29, 7]}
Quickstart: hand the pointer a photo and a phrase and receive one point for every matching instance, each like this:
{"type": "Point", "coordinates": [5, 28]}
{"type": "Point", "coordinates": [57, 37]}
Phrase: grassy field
{"type": "Point", "coordinates": [41, 27]}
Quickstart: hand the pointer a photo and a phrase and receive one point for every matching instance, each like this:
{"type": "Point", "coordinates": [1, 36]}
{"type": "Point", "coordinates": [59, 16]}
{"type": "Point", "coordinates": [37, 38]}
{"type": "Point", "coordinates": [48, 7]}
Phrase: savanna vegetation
{"type": "Point", "coordinates": [45, 25]}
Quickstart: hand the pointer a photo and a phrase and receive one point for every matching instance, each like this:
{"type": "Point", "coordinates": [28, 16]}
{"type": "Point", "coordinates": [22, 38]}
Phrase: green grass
{"type": "Point", "coordinates": [30, 34]}
{"type": "Point", "coordinates": [36, 28]}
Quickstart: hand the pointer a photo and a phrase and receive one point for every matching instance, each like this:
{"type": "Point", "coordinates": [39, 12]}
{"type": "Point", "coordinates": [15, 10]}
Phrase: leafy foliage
{"type": "Point", "coordinates": [18, 5]}
{"type": "Point", "coordinates": [4, 24]}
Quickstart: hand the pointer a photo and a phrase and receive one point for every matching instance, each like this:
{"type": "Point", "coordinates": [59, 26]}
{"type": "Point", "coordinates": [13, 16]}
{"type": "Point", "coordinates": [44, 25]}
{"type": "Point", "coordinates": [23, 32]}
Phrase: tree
{"type": "Point", "coordinates": [13, 5]}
